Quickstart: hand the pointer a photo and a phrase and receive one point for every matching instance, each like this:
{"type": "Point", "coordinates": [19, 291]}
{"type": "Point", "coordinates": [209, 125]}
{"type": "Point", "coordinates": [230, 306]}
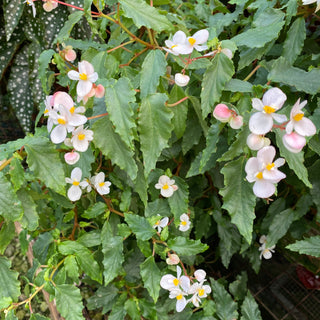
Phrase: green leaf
{"type": "Point", "coordinates": [187, 247]}
{"type": "Point", "coordinates": [294, 160]}
{"type": "Point", "coordinates": [112, 146]}
{"type": "Point", "coordinates": [144, 15]}
{"type": "Point", "coordinates": [132, 308]}
{"type": "Point", "coordinates": [112, 247]}
{"type": "Point", "coordinates": [44, 60]}
{"type": "Point", "coordinates": [94, 211]}
{"type": "Point", "coordinates": [118, 311]}
{"type": "Point", "coordinates": [151, 277]}
{"type": "Point", "coordinates": [30, 215]}
{"type": "Point", "coordinates": [226, 307]}
{"type": "Point", "coordinates": [295, 40]}
{"type": "Point", "coordinates": [214, 80]}
{"type": "Point", "coordinates": [140, 226]}
{"type": "Point", "coordinates": [43, 159]}
{"type": "Point", "coordinates": [155, 128]}
{"type": "Point", "coordinates": [16, 173]}
{"type": "Point", "coordinates": [119, 97]}
{"type": "Point", "coordinates": [239, 204]}
{"type": "Point", "coordinates": [238, 288]}
{"type": "Point", "coordinates": [10, 205]}
{"type": "Point", "coordinates": [104, 297]}
{"type": "Point", "coordinates": [308, 246]}
{"type": "Point", "coordinates": [64, 33]}
{"type": "Point", "coordinates": [153, 67]}
{"type": "Point", "coordinates": [140, 184]}
{"type": "Point", "coordinates": [13, 11]}
{"type": "Point", "coordinates": [35, 316]}
{"type": "Point", "coordinates": [69, 301]}
{"type": "Point", "coordinates": [282, 71]}
{"type": "Point", "coordinates": [250, 309]}
{"type": "Point", "coordinates": [10, 315]}
{"type": "Point", "coordinates": [71, 267]}
{"type": "Point", "coordinates": [236, 85]}
{"type": "Point", "coordinates": [9, 285]}
{"type": "Point", "coordinates": [84, 258]}
{"type": "Point", "coordinates": [7, 233]}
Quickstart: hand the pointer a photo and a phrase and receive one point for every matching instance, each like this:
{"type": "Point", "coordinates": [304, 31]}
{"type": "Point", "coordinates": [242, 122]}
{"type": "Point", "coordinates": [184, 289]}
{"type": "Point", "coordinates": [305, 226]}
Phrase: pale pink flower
{"type": "Point", "coordinates": [184, 222]}
{"type": "Point", "coordinates": [100, 184]}
{"type": "Point", "coordinates": [236, 122]}
{"type": "Point", "coordinates": [173, 259]}
{"type": "Point", "coordinates": [69, 54]}
{"type": "Point", "coordinates": [49, 5]}
{"type": "Point", "coordinates": [181, 80]}
{"type": "Point", "coordinates": [81, 138]}
{"type": "Point", "coordinates": [74, 192]}
{"type": "Point", "coordinates": [256, 142]}
{"type": "Point", "coordinates": [178, 40]}
{"type": "Point", "coordinates": [200, 275]}
{"type": "Point", "coordinates": [166, 186]}
{"type": "Point", "coordinates": [294, 142]}
{"type": "Point", "coordinates": [222, 113]}
{"type": "Point", "coordinates": [97, 90]}
{"type": "Point", "coordinates": [160, 224]}
{"type": "Point", "coordinates": [71, 157]}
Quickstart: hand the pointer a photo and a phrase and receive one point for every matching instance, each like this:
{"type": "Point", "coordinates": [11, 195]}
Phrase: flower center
{"type": "Point", "coordinates": [175, 281]}
{"type": "Point", "coordinates": [165, 187]}
{"type": "Point", "coordinates": [268, 109]}
{"type": "Point", "coordinates": [259, 175]}
{"type": "Point", "coordinates": [158, 222]}
{"type": "Point", "coordinates": [61, 121]}
{"type": "Point", "coordinates": [81, 136]}
{"type": "Point", "coordinates": [72, 110]}
{"type": "Point", "coordinates": [192, 41]}
{"type": "Point", "coordinates": [201, 292]}
{"type": "Point", "coordinates": [83, 76]}
{"type": "Point", "coordinates": [179, 297]}
{"type": "Point", "coordinates": [298, 117]}
{"type": "Point", "coordinates": [175, 45]}
{"type": "Point", "coordinates": [75, 183]}
{"type": "Point", "coordinates": [184, 223]}
{"type": "Point", "coordinates": [101, 184]}
{"type": "Point", "coordinates": [46, 111]}
{"type": "Point", "coordinates": [270, 166]}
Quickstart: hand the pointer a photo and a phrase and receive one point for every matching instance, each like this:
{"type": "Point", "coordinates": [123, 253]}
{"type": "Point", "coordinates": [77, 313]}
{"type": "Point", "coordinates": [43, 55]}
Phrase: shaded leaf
{"type": "Point", "coordinates": [250, 309]}
{"type": "Point", "coordinates": [188, 247]}
{"type": "Point", "coordinates": [308, 246]}
{"type": "Point", "coordinates": [140, 226]}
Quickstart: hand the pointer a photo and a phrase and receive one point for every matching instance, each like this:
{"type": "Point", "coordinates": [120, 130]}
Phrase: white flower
{"type": "Point", "coordinates": [265, 252]}
{"type": "Point", "coordinates": [101, 186]}
{"type": "Point", "coordinates": [200, 275]}
{"type": "Point", "coordinates": [161, 223]}
{"type": "Point", "coordinates": [184, 222]}
{"type": "Point", "coordinates": [31, 4]}
{"type": "Point", "coordinates": [74, 192]}
{"type": "Point", "coordinates": [256, 142]}
{"type": "Point", "coordinates": [178, 40]}
{"type": "Point", "coordinates": [264, 172]}
{"type": "Point", "coordinates": [304, 2]}
{"type": "Point", "coordinates": [181, 80]}
{"type": "Point", "coordinates": [71, 157]}
{"type": "Point", "coordinates": [181, 300]}
{"type": "Point", "coordinates": [49, 107]}
{"type": "Point", "coordinates": [173, 259]}
{"type": "Point", "coordinates": [294, 142]}
{"type": "Point", "coordinates": [197, 41]}
{"type": "Point", "coordinates": [86, 76]}
{"type": "Point", "coordinates": [166, 185]}
{"type": "Point", "coordinates": [81, 138]}
{"type": "Point", "coordinates": [261, 122]}
{"type": "Point", "coordinates": [85, 184]}
{"type": "Point", "coordinates": [303, 126]}
{"type": "Point", "coordinates": [236, 122]}
{"type": "Point", "coordinates": [199, 291]}
{"type": "Point", "coordinates": [169, 282]}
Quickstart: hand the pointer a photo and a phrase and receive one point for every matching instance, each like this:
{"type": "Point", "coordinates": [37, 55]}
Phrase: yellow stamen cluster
{"type": "Point", "coordinates": [101, 184]}
{"type": "Point", "coordinates": [270, 166]}
{"type": "Point", "coordinates": [201, 292]}
{"type": "Point", "coordinates": [175, 45]}
{"type": "Point", "coordinates": [72, 110]}
{"type": "Point", "coordinates": [83, 76]}
{"type": "Point", "coordinates": [268, 109]}
{"type": "Point", "coordinates": [75, 183]}
{"type": "Point", "coordinates": [184, 223]}
{"type": "Point", "coordinates": [165, 187]}
{"type": "Point", "coordinates": [298, 117]}
{"type": "Point", "coordinates": [175, 281]}
{"type": "Point", "coordinates": [179, 297]}
{"type": "Point", "coordinates": [259, 175]}
{"type": "Point", "coordinates": [192, 41]}
{"type": "Point", "coordinates": [81, 136]}
{"type": "Point", "coordinates": [61, 121]}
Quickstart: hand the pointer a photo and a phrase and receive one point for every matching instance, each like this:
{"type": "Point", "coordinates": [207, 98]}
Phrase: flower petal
{"type": "Point", "coordinates": [266, 154]}
{"type": "Point", "coordinates": [257, 104]}
{"type": "Point", "coordinates": [280, 118]}
{"type": "Point", "coordinates": [58, 134]}
{"type": "Point", "coordinates": [305, 127]}
{"type": "Point", "coordinates": [73, 75]}
{"type": "Point", "coordinates": [201, 36]}
{"type": "Point", "coordinates": [178, 38]}
{"type": "Point", "coordinates": [83, 87]}
{"type": "Point", "coordinates": [275, 98]}
{"type": "Point", "coordinates": [263, 189]}
{"type": "Point", "coordinates": [74, 193]}
{"type": "Point", "coordinates": [260, 123]}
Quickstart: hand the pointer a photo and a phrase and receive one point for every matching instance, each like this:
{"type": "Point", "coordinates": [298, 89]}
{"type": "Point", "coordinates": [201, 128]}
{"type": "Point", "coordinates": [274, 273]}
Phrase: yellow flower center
{"type": "Point", "coordinates": [259, 175]}
{"type": "Point", "coordinates": [270, 166]}
{"type": "Point", "coordinates": [179, 297]}
{"type": "Point", "coordinates": [75, 183]}
{"type": "Point", "coordinates": [201, 292]}
{"type": "Point", "coordinates": [192, 41]}
{"type": "Point", "coordinates": [175, 281]}
{"type": "Point", "coordinates": [158, 222]}
{"type": "Point", "coordinates": [184, 223]}
{"type": "Point", "coordinates": [298, 117]}
{"type": "Point", "coordinates": [62, 121]}
{"type": "Point", "coordinates": [81, 136]}
{"type": "Point", "coordinates": [268, 109]}
{"type": "Point", "coordinates": [175, 45]}
{"type": "Point", "coordinates": [165, 187]}
{"type": "Point", "coordinates": [101, 184]}
{"type": "Point", "coordinates": [83, 76]}
{"type": "Point", "coordinates": [46, 111]}
{"type": "Point", "coordinates": [72, 110]}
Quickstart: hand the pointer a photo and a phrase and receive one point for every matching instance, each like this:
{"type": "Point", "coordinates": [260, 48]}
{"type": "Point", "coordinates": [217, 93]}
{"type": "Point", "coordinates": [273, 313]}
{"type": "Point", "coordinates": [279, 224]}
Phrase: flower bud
{"type": "Point", "coordinates": [222, 113]}
{"type": "Point", "coordinates": [257, 142]}
{"type": "Point", "coordinates": [99, 93]}
{"type": "Point", "coordinates": [236, 122]}
{"type": "Point", "coordinates": [294, 142]}
{"type": "Point", "coordinates": [173, 259]}
{"type": "Point", "coordinates": [181, 80]}
{"type": "Point", "coordinates": [71, 157]}
{"type": "Point", "coordinates": [70, 54]}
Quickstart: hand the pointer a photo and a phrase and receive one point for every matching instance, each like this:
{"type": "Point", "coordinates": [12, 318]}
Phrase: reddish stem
{"type": "Point", "coordinates": [98, 116]}
{"type": "Point", "coordinates": [178, 102]}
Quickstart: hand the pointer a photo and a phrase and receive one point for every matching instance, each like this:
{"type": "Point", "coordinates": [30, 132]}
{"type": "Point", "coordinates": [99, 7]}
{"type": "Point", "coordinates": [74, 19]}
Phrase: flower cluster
{"type": "Point", "coordinates": [179, 287]}
{"type": "Point", "coordinates": [222, 113]}
{"type": "Point", "coordinates": [265, 252]}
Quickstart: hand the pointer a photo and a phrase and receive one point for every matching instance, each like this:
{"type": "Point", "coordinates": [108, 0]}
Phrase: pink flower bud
{"type": "Point", "coordinates": [294, 142]}
{"type": "Point", "coordinates": [99, 91]}
{"type": "Point", "coordinates": [236, 122]}
{"type": "Point", "coordinates": [173, 259]}
{"type": "Point", "coordinates": [71, 157]}
{"type": "Point", "coordinates": [257, 142]}
{"type": "Point", "coordinates": [181, 79]}
{"type": "Point", "coordinates": [70, 55]}
{"type": "Point", "coordinates": [222, 113]}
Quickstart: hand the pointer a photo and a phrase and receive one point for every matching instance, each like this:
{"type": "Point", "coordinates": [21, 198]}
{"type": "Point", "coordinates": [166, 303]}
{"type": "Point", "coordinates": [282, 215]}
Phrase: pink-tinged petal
{"type": "Point", "coordinates": [100, 91]}
{"type": "Point", "coordinates": [266, 154]}
{"type": "Point", "coordinates": [83, 87]}
{"type": "Point", "coordinates": [73, 75]}
{"type": "Point", "coordinates": [263, 189]}
{"type": "Point", "coordinates": [48, 6]}
{"type": "Point", "coordinates": [294, 142]}
{"type": "Point", "coordinates": [178, 37]}
{"type": "Point", "coordinates": [58, 134]}
{"type": "Point", "coordinates": [260, 123]}
{"type": "Point", "coordinates": [76, 174]}
{"type": "Point", "coordinates": [85, 67]}
{"type": "Point", "coordinates": [279, 162]}
{"type": "Point", "coordinates": [289, 127]}
{"type": "Point", "coordinates": [71, 157]}
{"type": "Point", "coordinates": [222, 113]}
{"type": "Point", "coordinates": [93, 77]}
{"type": "Point", "coordinates": [74, 193]}
{"type": "Point", "coordinates": [201, 36]}
{"type": "Point", "coordinates": [236, 122]}
{"type": "Point", "coordinates": [62, 98]}
{"type": "Point", "coordinates": [273, 175]}
{"type": "Point", "coordinates": [200, 48]}
{"type": "Point", "coordinates": [70, 55]}
{"type": "Point", "coordinates": [275, 98]}
{"type": "Point", "coordinates": [257, 104]}
{"type": "Point", "coordinates": [280, 118]}
{"type": "Point", "coordinates": [305, 127]}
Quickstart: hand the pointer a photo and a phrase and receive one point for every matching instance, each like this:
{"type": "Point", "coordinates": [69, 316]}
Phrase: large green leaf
{"type": "Point", "coordinates": [145, 15]}
{"type": "Point", "coordinates": [308, 246]}
{"type": "Point", "coordinates": [119, 97]}
{"type": "Point", "coordinates": [69, 301]}
{"type": "Point", "coordinates": [10, 205]}
{"type": "Point", "coordinates": [118, 311]}
{"type": "Point", "coordinates": [43, 159]}
{"type": "Point", "coordinates": [9, 285]}
{"type": "Point", "coordinates": [153, 67]}
{"type": "Point", "coordinates": [238, 197]}
{"type": "Point", "coordinates": [112, 146]}
{"type": "Point", "coordinates": [155, 128]}
{"type": "Point", "coordinates": [151, 277]}
{"type": "Point", "coordinates": [188, 247]}
{"type": "Point", "coordinates": [30, 215]}
{"type": "Point", "coordinates": [64, 33]}
{"type": "Point", "coordinates": [294, 160]}
{"type": "Point", "coordinates": [104, 298]}
{"type": "Point", "coordinates": [250, 309]}
{"type": "Point", "coordinates": [295, 40]}
{"type": "Point", "coordinates": [140, 226]}
{"type": "Point", "coordinates": [214, 80]}
{"type": "Point", "coordinates": [7, 233]}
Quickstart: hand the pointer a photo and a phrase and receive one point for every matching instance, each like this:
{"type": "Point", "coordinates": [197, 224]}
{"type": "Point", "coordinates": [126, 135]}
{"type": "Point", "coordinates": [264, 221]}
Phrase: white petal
{"type": "Point", "coordinates": [62, 98]}
{"type": "Point", "coordinates": [83, 87]}
{"type": "Point", "coordinates": [294, 142]}
{"type": "Point", "coordinates": [181, 304]}
{"type": "Point", "coordinates": [305, 127]}
{"type": "Point", "coordinates": [183, 49]}
{"type": "Point", "coordinates": [73, 75]}
{"type": "Point", "coordinates": [80, 145]}
{"type": "Point", "coordinates": [289, 127]}
{"type": "Point", "coordinates": [93, 77]}
{"type": "Point", "coordinates": [255, 142]}
{"type": "Point", "coordinates": [200, 48]}
{"type": "Point", "coordinates": [178, 38]}
{"type": "Point", "coordinates": [252, 168]}
{"type": "Point", "coordinates": [163, 180]}
{"type": "Point", "coordinates": [85, 67]}
{"type": "Point", "coordinates": [266, 154]}
{"type": "Point", "coordinates": [280, 118]}
{"type": "Point", "coordinates": [178, 272]}
{"type": "Point", "coordinates": [200, 275]}
{"type": "Point", "coordinates": [166, 281]}
{"type": "Point", "coordinates": [164, 222]}
{"type": "Point", "coordinates": [263, 189]}
{"type": "Point", "coordinates": [185, 283]}
{"type": "Point", "coordinates": [58, 134]}
{"type": "Point", "coordinates": [279, 162]}
{"type": "Point", "coordinates": [260, 123]}
{"type": "Point", "coordinates": [74, 193]}
{"type": "Point", "coordinates": [236, 122]}
{"type": "Point", "coordinates": [167, 192]}
{"type": "Point", "coordinates": [181, 80]}
{"type": "Point", "coordinates": [273, 175]}
{"type": "Point", "coordinates": [267, 254]}
{"type": "Point", "coordinates": [275, 98]}
{"type": "Point", "coordinates": [77, 120]}
{"type": "Point", "coordinates": [76, 174]}
{"type": "Point", "coordinates": [201, 36]}
{"type": "Point", "coordinates": [257, 104]}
